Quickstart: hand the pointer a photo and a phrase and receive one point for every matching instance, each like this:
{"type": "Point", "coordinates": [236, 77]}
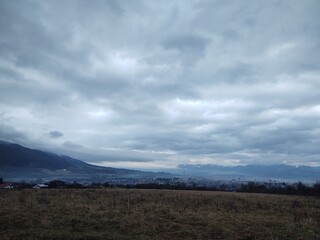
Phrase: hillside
{"type": "Point", "coordinates": [17, 156]}
{"type": "Point", "coordinates": [19, 162]}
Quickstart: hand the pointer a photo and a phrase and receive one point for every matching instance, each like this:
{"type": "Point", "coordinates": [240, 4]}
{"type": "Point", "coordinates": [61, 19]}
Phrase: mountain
{"type": "Point", "coordinates": [251, 172]}
{"type": "Point", "coordinates": [19, 162]}
{"type": "Point", "coordinates": [17, 156]}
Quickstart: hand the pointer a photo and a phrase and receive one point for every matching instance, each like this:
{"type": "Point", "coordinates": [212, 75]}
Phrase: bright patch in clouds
{"type": "Point", "coordinates": [123, 63]}
{"type": "Point", "coordinates": [101, 114]}
{"type": "Point", "coordinates": [214, 110]}
{"type": "Point", "coordinates": [137, 165]}
{"type": "Point", "coordinates": [281, 49]}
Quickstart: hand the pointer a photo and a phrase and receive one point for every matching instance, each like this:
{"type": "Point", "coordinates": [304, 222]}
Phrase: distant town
{"type": "Point", "coordinates": [176, 183]}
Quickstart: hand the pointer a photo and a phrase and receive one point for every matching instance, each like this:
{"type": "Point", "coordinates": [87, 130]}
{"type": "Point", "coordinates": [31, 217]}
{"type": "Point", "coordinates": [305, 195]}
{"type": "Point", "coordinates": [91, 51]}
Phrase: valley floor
{"type": "Point", "coordinates": [155, 214]}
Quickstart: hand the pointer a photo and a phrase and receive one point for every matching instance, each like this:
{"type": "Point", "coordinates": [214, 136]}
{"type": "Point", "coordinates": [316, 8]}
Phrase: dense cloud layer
{"type": "Point", "coordinates": [153, 84]}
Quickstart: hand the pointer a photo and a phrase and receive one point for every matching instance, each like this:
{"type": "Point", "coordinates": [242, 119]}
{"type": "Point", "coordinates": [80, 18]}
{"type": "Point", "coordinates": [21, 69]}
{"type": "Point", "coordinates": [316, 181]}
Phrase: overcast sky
{"type": "Point", "coordinates": [154, 84]}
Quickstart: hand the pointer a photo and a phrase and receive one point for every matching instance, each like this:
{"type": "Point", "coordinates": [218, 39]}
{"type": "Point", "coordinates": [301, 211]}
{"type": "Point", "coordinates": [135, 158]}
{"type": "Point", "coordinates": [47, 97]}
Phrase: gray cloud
{"type": "Point", "coordinates": [160, 84]}
{"type": "Point", "coordinates": [55, 134]}
{"type": "Point", "coordinates": [9, 133]}
{"type": "Point", "coordinates": [190, 47]}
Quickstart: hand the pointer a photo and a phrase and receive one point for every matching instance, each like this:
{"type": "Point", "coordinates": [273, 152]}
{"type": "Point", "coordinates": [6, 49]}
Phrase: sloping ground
{"type": "Point", "coordinates": [20, 162]}
{"type": "Point", "coordinates": [14, 155]}
{"type": "Point", "coordinates": [155, 214]}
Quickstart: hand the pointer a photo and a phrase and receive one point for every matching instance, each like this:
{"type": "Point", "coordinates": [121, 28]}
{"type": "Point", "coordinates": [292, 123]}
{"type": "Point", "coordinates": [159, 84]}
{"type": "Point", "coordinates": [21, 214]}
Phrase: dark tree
{"type": "Point", "coordinates": [75, 184]}
{"type": "Point", "coordinates": [56, 184]}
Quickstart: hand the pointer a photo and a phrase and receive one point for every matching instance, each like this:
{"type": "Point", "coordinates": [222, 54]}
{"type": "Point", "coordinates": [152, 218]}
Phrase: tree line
{"type": "Point", "coordinates": [250, 187]}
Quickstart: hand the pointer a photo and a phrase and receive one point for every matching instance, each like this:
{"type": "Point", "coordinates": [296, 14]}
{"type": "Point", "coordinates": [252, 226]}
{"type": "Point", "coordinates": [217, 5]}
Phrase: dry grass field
{"type": "Point", "coordinates": [155, 214]}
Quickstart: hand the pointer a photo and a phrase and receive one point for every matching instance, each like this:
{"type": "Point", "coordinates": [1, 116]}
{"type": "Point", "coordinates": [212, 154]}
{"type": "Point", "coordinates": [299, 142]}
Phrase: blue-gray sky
{"type": "Point", "coordinates": [154, 84]}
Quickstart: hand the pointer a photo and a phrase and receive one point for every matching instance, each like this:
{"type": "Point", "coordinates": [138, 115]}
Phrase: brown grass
{"type": "Point", "coordinates": [155, 214]}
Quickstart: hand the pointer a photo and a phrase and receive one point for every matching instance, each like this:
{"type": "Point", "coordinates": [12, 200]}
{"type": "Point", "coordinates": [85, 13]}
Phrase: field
{"type": "Point", "coordinates": [155, 214]}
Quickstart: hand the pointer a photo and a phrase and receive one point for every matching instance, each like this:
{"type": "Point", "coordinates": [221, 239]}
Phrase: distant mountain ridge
{"type": "Point", "coordinates": [278, 171]}
{"type": "Point", "coordinates": [17, 161]}
{"type": "Point", "coordinates": [15, 155]}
